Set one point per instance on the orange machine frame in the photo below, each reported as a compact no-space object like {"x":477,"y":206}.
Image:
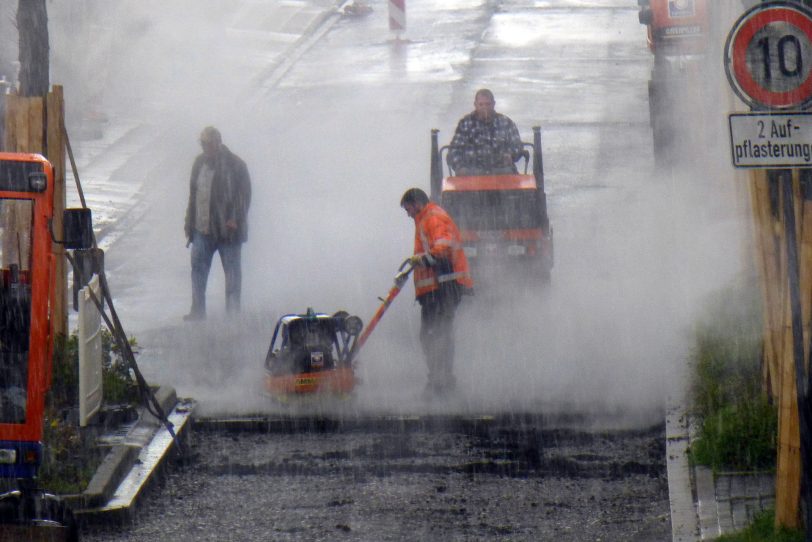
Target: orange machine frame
{"x":42,"y":278}
{"x":497,"y":182}
{"x":681,"y":33}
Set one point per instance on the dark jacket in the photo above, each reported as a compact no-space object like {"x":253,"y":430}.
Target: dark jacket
{"x":481,"y":146}
{"x":230,"y":197}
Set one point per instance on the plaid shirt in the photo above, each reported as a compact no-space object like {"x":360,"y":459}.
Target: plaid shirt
{"x":481,"y":146}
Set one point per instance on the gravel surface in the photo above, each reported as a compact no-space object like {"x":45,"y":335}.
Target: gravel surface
{"x":491,"y":483}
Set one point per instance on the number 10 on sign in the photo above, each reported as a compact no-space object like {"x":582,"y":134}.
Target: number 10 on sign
{"x":768,"y":56}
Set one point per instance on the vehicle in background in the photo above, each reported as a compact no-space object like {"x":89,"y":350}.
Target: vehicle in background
{"x":502,"y":217}
{"x":675,"y":27}
{"x":677,"y":34}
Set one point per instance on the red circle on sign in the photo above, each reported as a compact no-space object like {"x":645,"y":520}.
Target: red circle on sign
{"x":742,"y":40}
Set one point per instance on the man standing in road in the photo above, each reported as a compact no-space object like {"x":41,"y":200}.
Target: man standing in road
{"x":440,"y":278}
{"x":485,"y":142}
{"x":219,"y":196}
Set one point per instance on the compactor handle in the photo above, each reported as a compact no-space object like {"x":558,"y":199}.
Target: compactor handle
{"x":404,"y":271}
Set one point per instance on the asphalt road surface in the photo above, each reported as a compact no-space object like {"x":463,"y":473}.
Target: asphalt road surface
{"x":437,"y":478}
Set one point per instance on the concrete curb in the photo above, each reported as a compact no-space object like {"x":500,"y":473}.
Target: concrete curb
{"x":684,"y":527}
{"x":312,"y":32}
{"x":144,"y":449}
{"x":705,"y":505}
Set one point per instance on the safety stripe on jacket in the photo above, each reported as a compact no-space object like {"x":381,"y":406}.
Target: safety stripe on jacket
{"x":426,"y":281}
{"x":442,"y":278}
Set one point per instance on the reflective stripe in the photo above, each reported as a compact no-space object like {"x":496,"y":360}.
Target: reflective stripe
{"x":447,"y":242}
{"x":452,"y":276}
{"x":423,"y":240}
{"x":443,"y":278}
{"x":425,"y":277}
{"x":425,"y":282}
{"x":440,"y":242}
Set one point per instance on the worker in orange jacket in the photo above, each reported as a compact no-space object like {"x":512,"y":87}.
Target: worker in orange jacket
{"x":441,"y":277}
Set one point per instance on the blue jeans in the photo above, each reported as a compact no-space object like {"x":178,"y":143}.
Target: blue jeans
{"x":203,"y":249}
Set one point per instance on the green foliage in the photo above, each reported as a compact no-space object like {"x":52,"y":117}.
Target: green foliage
{"x":64,"y":392}
{"x":738,"y":424}
{"x":69,"y":461}
{"x":739,"y":436}
{"x":763,"y":530}
{"x":118,"y":384}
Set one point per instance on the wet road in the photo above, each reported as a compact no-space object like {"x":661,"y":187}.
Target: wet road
{"x":331,"y":147}
{"x":434,"y":478}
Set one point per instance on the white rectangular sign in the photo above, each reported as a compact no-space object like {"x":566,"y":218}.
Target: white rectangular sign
{"x":771,"y":140}
{"x":90,"y":354}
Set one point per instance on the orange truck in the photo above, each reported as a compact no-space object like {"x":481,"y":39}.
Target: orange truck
{"x":502,"y":217}
{"x":677,"y":35}
{"x":675,"y":27}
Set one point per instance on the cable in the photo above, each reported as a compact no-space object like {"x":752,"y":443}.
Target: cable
{"x":116,"y":329}
{"x":74,"y":169}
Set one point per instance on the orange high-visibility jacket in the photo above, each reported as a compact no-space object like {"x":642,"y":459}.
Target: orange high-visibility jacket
{"x":436,"y":236}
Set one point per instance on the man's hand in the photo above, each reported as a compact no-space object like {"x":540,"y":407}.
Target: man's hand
{"x":231,"y":225}
{"x":417,"y":259}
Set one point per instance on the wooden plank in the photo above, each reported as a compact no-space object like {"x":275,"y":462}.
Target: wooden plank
{"x":805,"y":262}
{"x":23,"y":117}
{"x":25,"y":123}
{"x":756,"y":182}
{"x":788,"y":463}
{"x":767,"y":259}
{"x":35,"y":124}
{"x":788,"y":468}
{"x":56,"y":155}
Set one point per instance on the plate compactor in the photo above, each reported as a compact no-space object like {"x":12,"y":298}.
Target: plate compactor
{"x":315,"y":353}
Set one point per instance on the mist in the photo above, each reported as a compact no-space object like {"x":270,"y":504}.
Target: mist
{"x":330,"y":150}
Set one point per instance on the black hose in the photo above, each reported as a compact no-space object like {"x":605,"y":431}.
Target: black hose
{"x":74,"y":169}
{"x":116,"y":329}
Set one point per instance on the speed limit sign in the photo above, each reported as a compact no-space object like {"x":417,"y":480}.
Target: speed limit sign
{"x":768,"y":56}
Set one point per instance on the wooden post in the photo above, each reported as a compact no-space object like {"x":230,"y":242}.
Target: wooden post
{"x":786,"y":328}
{"x":25,"y":121}
{"x":768,"y":260}
{"x":788,"y":468}
{"x":35,"y":124}
{"x":55,"y":145}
